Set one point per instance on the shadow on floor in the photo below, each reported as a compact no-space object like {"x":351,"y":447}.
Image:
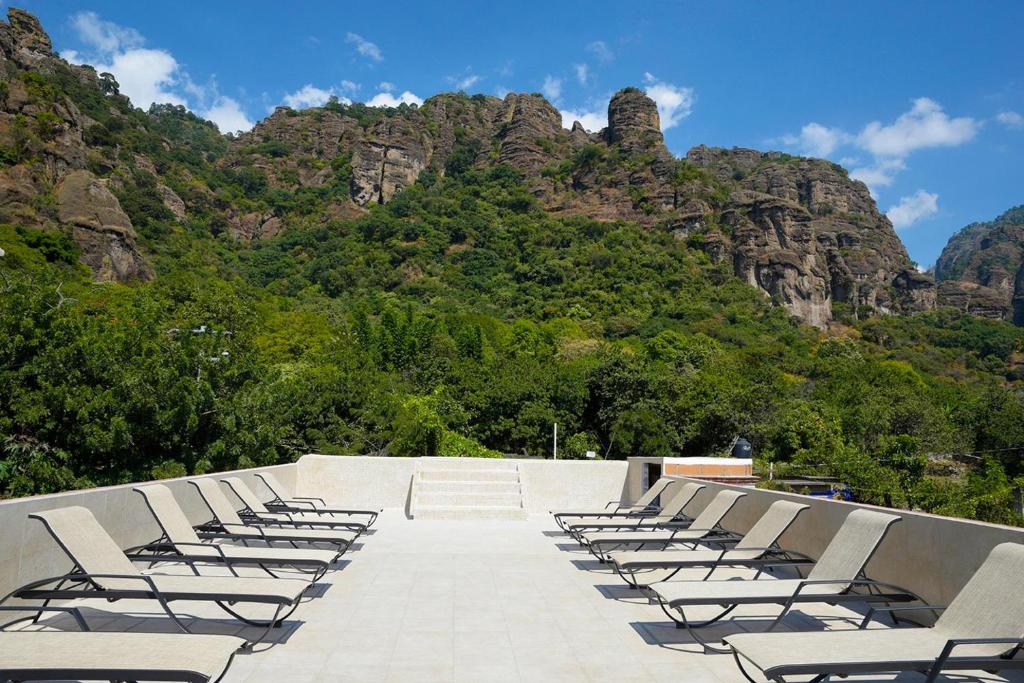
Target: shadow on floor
{"x":592,"y":566}
{"x":157,"y":622}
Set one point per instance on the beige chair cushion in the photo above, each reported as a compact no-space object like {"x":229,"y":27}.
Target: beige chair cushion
{"x":206,"y":655}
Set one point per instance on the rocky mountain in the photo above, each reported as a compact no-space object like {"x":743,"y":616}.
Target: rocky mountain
{"x":798,"y":229}
{"x":981,"y":268}
{"x":48,"y":178}
{"x":78,"y":158}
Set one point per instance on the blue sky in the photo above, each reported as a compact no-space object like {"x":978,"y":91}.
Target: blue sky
{"x":922,"y":100}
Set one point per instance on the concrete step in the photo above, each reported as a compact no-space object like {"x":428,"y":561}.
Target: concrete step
{"x":431,"y":486}
{"x":463,"y":499}
{"x":476,"y":512}
{"x":466,"y":464}
{"x":477,"y":475}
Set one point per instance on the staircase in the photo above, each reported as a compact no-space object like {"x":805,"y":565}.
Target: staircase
{"x":467,"y":488}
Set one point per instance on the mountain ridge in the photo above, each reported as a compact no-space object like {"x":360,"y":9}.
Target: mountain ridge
{"x":797,"y":229}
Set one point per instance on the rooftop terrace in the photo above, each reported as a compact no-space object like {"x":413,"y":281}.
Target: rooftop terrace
{"x":489,"y":599}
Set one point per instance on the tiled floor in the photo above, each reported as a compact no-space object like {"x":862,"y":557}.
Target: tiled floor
{"x":480,"y":601}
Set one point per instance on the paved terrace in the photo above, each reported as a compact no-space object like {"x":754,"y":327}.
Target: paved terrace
{"x":436,"y":600}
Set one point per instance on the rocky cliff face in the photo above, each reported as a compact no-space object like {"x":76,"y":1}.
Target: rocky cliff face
{"x":981,"y":268}
{"x":797,"y":229}
{"x":44,"y":182}
{"x":802,"y":231}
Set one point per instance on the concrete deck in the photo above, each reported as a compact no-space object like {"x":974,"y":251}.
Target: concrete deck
{"x":425,"y":600}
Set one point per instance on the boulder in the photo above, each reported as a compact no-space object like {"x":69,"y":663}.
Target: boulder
{"x":172,"y":201}
{"x":27,"y":33}
{"x":100,"y":228}
{"x":254,"y":225}
{"x":633,"y":122}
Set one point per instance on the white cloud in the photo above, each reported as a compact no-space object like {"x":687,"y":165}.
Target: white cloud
{"x":591,"y":120}
{"x":880,"y":174}
{"x":309,"y":96}
{"x":228,"y":115}
{"x":350,"y":87}
{"x":601,"y":51}
{"x":105,"y":36}
{"x":465,"y":81}
{"x":386,"y":99}
{"x":816,"y":140}
{"x":150,"y":76}
{"x":675,"y":103}
{"x":145,"y":75}
{"x":925,"y":125}
{"x":913,"y":208}
{"x":364,"y":47}
{"x":582,"y":73}
{"x":1010,"y":119}
{"x":383,"y":86}
{"x":552,"y":87}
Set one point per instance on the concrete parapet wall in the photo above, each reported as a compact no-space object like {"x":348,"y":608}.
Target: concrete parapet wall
{"x":28,"y":552}
{"x":931,"y":555}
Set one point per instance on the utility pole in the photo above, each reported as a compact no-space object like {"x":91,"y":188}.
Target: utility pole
{"x":555,"y":450}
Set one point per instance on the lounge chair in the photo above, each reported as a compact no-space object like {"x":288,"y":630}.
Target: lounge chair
{"x":226,"y":520}
{"x":758,"y":548}
{"x":706,"y":525}
{"x":102,"y":570}
{"x":60,"y":656}
{"x":307,"y":503}
{"x":836,"y":573}
{"x":671,"y":511}
{"x":181,"y":542}
{"x":256,"y":511}
{"x":643,"y":506}
{"x":88,"y":655}
{"x":980,"y":629}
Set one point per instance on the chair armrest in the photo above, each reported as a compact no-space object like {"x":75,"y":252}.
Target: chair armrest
{"x":295,"y":504}
{"x":952,"y":643}
{"x":259,"y":517}
{"x":75,"y":577}
{"x":247,"y":527}
{"x":826,"y":582}
{"x":73,"y":611}
{"x":311,"y":498}
{"x":676,"y":530}
{"x":872,"y":611}
{"x":771,"y":554}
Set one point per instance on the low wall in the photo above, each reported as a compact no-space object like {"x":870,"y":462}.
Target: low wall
{"x":28,"y":552}
{"x":931,"y":555}
{"x":387,"y":481}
